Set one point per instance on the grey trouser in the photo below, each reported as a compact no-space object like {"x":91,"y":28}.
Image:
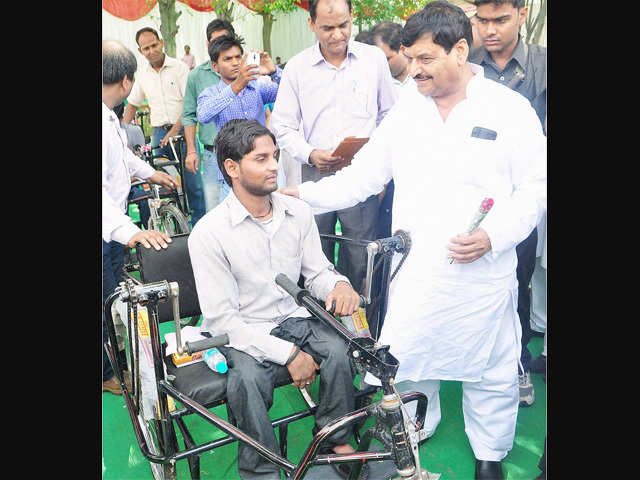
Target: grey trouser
{"x":250,"y":386}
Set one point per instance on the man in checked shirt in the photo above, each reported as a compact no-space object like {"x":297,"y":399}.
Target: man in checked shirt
{"x":240,"y":94}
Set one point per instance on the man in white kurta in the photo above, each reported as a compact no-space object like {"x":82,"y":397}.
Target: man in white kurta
{"x":454,"y":141}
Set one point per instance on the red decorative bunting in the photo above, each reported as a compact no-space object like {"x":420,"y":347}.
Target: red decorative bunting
{"x":200,"y":5}
{"x":249,"y":4}
{"x":128,"y":9}
{"x":136,"y":9}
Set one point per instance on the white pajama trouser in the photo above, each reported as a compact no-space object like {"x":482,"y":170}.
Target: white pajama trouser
{"x":539,"y":301}
{"x":489,"y":406}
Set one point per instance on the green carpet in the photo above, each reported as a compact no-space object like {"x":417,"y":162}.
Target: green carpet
{"x":446,"y":452}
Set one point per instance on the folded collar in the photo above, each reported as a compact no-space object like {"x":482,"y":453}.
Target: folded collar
{"x":238,"y":212}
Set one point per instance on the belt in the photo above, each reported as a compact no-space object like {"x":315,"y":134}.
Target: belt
{"x":208,"y":147}
{"x":166,"y":126}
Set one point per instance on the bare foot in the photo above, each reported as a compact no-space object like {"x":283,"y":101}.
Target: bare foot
{"x":346,"y":448}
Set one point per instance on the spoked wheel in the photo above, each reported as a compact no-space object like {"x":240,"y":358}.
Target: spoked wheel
{"x":190,"y":322}
{"x":172,"y":220}
{"x":151,"y":432}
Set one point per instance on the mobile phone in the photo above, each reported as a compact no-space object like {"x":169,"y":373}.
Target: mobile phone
{"x":253,"y":58}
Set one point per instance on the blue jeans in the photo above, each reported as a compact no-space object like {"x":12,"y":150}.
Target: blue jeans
{"x":215,"y":188}
{"x":192,"y":182}
{"x":143,"y":206}
{"x":112,"y":263}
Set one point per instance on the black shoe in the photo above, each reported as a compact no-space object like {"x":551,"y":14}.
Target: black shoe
{"x":488,"y":470}
{"x":342,"y":469}
{"x":538,"y":364}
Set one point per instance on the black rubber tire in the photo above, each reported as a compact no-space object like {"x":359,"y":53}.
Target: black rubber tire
{"x":191,"y":321}
{"x":160,"y":471}
{"x":172,"y":220}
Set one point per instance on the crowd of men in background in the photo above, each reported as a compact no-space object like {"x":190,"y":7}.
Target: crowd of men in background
{"x":360,"y":80}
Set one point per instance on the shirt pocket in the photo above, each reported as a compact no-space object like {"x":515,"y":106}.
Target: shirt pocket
{"x":484,"y":161}
{"x":356,"y":101}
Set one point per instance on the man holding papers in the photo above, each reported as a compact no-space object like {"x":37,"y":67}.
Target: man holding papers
{"x":457,"y":139}
{"x":334,"y":89}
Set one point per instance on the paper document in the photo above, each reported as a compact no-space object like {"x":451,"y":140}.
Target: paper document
{"x":187,"y":334}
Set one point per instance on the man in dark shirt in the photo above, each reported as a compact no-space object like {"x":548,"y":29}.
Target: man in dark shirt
{"x":507,"y":59}
{"x":504,"y":55}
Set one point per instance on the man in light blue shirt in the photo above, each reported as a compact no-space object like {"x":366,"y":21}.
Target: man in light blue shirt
{"x":334,"y":89}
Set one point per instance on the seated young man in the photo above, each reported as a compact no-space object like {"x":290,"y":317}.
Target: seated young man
{"x":236,"y":250}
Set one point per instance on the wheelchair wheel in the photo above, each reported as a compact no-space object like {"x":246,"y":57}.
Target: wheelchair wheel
{"x":172,"y":220}
{"x":160,"y":471}
{"x":191,"y":322}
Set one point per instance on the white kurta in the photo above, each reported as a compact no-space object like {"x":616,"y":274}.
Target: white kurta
{"x":119,"y":164}
{"x":442,"y":318}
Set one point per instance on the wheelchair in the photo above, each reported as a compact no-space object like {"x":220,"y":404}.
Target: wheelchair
{"x":162,"y":394}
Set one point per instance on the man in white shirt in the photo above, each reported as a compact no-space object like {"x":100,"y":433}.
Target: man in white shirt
{"x":387,"y":36}
{"x":236,"y":250}
{"x":331,"y":90}
{"x":163,"y":82}
{"x":459,"y":138}
{"x":119,"y":165}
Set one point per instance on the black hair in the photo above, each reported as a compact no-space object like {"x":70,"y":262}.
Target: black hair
{"x":313,"y":5}
{"x":516,"y":3}
{"x":219,"y":24}
{"x":119,"y":110}
{"x":446,"y":22}
{"x":146,"y":29}
{"x":389,"y":33}
{"x":222,"y":43}
{"x":235,"y":139}
{"x":365,"y":37}
{"x":117,"y":62}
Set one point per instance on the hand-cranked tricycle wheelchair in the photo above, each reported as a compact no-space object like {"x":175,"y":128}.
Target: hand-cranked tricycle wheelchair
{"x":167,"y":292}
